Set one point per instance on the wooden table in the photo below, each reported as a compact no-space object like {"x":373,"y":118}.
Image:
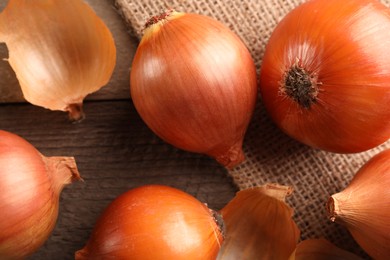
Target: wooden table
{"x":114,"y":150}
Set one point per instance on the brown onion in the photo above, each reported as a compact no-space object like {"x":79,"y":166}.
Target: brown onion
{"x":154,"y":222}
{"x":364,"y":206}
{"x":30,"y":185}
{"x":193,"y":81}
{"x":325,"y":74}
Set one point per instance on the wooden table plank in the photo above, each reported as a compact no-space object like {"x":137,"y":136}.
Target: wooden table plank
{"x":115,"y":151}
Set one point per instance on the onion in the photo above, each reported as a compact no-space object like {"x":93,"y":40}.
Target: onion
{"x":60,"y":50}
{"x":364,"y":206}
{"x":325,"y":74}
{"x":259,"y":224}
{"x":193,"y":82}
{"x":154,"y":222}
{"x":30,"y":185}
{"x":321,"y":249}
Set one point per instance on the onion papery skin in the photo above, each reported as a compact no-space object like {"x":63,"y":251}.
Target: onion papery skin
{"x":60,"y":50}
{"x":259,"y":225}
{"x":154,"y":222}
{"x":364,"y":206}
{"x":193,"y":82}
{"x":340,"y":49}
{"x":321,"y":249}
{"x":30,"y":186}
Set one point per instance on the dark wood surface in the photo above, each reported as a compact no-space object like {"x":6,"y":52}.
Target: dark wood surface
{"x":115,"y":151}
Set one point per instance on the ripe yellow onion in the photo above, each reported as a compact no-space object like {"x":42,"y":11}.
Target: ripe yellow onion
{"x":364,"y":206}
{"x":60,"y":50}
{"x":30,"y":186}
{"x":325,"y":74}
{"x":154,"y":222}
{"x":193,"y":81}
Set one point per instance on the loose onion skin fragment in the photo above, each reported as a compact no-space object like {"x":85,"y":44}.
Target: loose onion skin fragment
{"x":259,"y":225}
{"x":60,"y":50}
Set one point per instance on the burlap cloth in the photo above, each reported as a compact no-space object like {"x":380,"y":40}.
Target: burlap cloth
{"x":271,"y":155}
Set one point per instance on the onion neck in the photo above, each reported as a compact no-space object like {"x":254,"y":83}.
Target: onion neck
{"x":300,"y":85}
{"x":232,"y":157}
{"x":159,"y":18}
{"x":82,"y":254}
{"x":75,"y":112}
{"x":62,"y":171}
{"x":334,"y":211}
{"x":277,"y":191}
{"x":330,"y":207}
{"x":154,"y":23}
{"x":220,"y":224}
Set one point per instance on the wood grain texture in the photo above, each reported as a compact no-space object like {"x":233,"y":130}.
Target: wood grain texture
{"x":119,"y":85}
{"x":114,"y":151}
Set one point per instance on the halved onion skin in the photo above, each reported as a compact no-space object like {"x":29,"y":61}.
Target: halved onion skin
{"x":259,"y":224}
{"x":193,"y":81}
{"x":321,"y":249}
{"x":60,"y":50}
{"x":325,"y":75}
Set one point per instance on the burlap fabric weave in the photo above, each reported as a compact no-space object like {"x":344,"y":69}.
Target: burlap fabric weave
{"x":271,"y":155}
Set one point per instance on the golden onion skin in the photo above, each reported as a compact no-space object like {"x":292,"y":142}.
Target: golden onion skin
{"x":193,"y":81}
